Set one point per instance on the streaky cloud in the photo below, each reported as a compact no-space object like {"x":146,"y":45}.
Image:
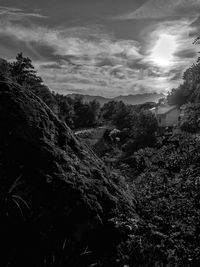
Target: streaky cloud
{"x":17,"y":14}
{"x":159,"y":9}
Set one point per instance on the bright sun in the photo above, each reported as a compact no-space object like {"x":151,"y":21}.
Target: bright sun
{"x":163,"y":51}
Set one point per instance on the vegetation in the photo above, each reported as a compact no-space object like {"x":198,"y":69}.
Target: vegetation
{"x":190,"y":121}
{"x":189,"y":90}
{"x":58,"y":200}
{"x":167,"y":193}
{"x":136,"y":124}
{"x":142,"y":203}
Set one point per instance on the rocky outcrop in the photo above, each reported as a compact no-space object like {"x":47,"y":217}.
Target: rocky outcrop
{"x":58,"y":201}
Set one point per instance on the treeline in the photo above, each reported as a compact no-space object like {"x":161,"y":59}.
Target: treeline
{"x":75,"y":112}
{"x":136,"y":124}
{"x":187,"y":97}
{"x":189,"y":90}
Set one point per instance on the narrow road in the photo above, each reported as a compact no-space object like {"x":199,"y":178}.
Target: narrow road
{"x":89,"y":130}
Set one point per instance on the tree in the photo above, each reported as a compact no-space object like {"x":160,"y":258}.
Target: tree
{"x":142,"y":133}
{"x":177,"y":96}
{"x":66,"y":109}
{"x":4,"y":68}
{"x":124,"y":116}
{"x":23,"y":71}
{"x":93,"y":112}
{"x":108,"y":110}
{"x":80,"y":109}
{"x":190,"y":121}
{"x":189,"y":90}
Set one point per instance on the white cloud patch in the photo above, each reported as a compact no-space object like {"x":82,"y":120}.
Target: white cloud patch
{"x":70,"y":42}
{"x":184,"y":51}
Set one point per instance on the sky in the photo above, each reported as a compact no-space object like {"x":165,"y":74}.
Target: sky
{"x":103,"y":47}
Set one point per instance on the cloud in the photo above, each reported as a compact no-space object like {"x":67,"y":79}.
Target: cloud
{"x":92,"y":60}
{"x":51,"y":65}
{"x":159,"y":9}
{"x":10,"y":9}
{"x":106,"y":80}
{"x":17,"y":14}
{"x":87,"y":57}
{"x":69,"y":42}
{"x":183,"y":32}
{"x":105,"y":66}
{"x":186,"y":53}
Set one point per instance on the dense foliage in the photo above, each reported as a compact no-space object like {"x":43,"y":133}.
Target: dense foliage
{"x":167,"y":192}
{"x":137,"y":125}
{"x":187,"y":96}
{"x":190,"y":121}
{"x":58,"y":201}
{"x":76,"y":113}
{"x":189,"y":90}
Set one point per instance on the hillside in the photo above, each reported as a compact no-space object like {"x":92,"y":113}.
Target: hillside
{"x":58,"y":198}
{"x":127,"y":99}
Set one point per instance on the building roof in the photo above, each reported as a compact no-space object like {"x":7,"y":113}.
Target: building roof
{"x":163,"y":109}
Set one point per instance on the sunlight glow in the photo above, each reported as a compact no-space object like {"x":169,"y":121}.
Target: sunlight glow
{"x":163,"y":51}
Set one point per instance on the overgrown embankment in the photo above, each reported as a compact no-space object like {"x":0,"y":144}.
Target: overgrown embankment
{"x":59,"y":204}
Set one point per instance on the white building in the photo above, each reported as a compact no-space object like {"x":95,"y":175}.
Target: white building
{"x":167,"y":116}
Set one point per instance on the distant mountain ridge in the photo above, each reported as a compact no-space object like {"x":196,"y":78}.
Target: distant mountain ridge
{"x":127,"y":99}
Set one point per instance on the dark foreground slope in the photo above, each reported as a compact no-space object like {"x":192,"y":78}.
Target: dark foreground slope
{"x":58,"y":206}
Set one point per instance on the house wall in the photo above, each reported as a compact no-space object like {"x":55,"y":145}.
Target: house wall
{"x":172,"y":117}
{"x":167,"y":119}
